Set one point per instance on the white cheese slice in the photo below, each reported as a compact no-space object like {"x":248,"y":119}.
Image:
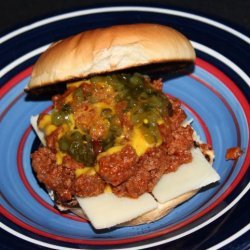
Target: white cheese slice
{"x":188,"y":177}
{"x":107,"y":210}
{"x":187,"y":122}
{"x":33,"y":121}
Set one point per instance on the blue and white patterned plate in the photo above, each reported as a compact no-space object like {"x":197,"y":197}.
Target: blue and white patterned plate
{"x":215,"y":95}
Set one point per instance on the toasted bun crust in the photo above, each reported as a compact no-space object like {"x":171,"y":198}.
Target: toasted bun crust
{"x":110,"y":49}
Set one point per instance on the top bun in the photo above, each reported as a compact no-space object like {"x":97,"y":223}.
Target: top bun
{"x":109,"y":49}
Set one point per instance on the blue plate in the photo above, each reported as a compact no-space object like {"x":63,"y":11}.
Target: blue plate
{"x":215,"y":95}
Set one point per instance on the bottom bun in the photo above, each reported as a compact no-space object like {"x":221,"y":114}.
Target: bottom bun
{"x":160,"y":211}
{"x":154,"y":215}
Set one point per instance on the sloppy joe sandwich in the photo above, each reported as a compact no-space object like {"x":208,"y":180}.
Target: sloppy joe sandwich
{"x":115,"y":149}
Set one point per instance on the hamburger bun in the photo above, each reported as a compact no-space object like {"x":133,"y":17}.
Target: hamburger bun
{"x":110,"y":49}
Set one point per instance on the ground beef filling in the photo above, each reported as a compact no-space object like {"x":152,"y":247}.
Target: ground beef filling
{"x":125,"y":172}
{"x":58,"y":178}
{"x":119,"y":167}
{"x":61,"y":178}
{"x":233,"y":153}
{"x":156,"y":162}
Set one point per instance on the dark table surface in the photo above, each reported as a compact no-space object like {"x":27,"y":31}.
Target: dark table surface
{"x":16,"y":13}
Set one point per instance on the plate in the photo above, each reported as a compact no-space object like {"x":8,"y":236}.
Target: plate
{"x":215,"y":95}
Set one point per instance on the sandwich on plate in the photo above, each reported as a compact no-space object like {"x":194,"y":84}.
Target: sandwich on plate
{"x":115,"y":149}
